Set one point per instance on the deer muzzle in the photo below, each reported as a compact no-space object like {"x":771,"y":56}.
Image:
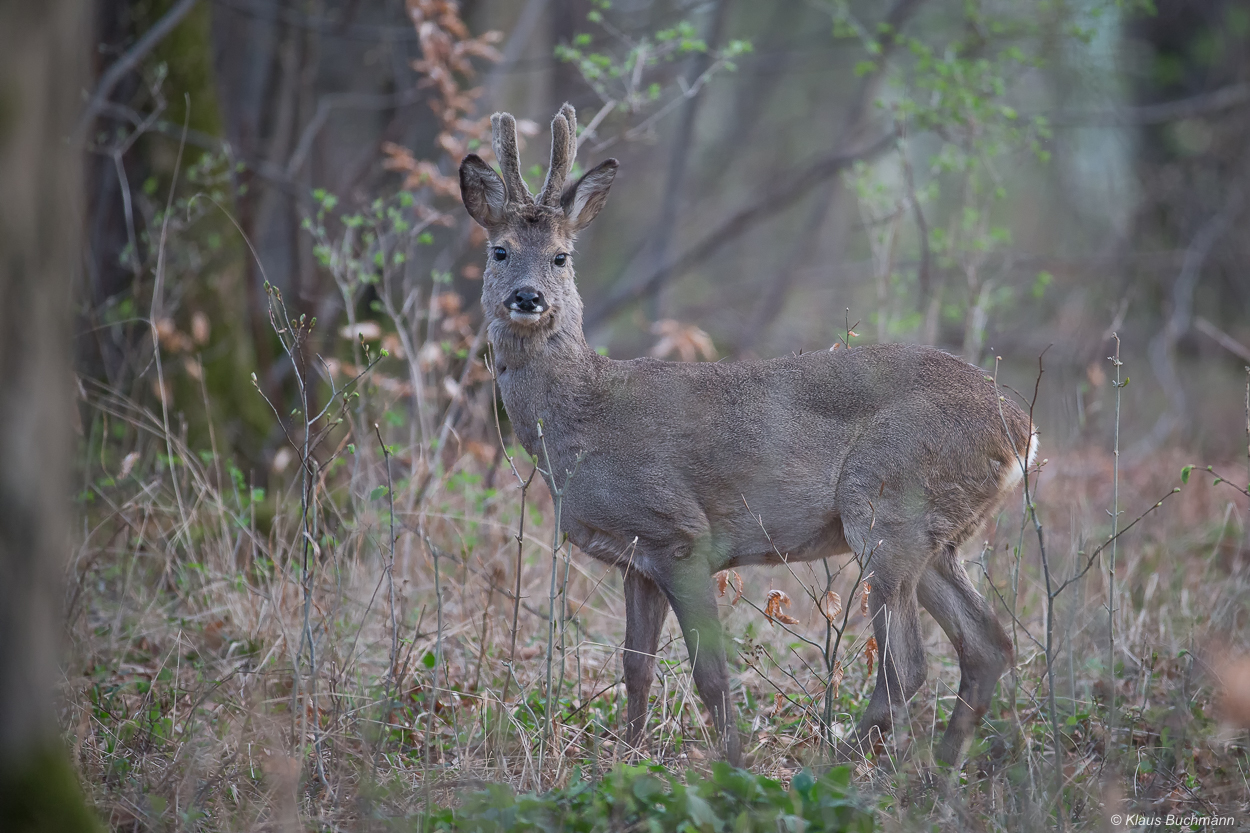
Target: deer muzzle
{"x":527,"y":305}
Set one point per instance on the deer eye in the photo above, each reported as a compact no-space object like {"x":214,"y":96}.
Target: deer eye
{"x":560,"y":259}
{"x":499,"y":253}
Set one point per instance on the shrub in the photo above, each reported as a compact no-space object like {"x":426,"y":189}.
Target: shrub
{"x":650,"y":798}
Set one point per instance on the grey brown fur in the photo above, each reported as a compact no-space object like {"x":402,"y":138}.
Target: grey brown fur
{"x":898,"y":450}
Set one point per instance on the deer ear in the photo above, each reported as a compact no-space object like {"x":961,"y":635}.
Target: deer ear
{"x":482,"y":191}
{"x":583,"y":200}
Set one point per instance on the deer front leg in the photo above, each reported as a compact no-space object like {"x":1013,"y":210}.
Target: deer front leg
{"x":695,"y":605}
{"x":895,"y":562}
{"x":901,"y":666}
{"x":645,"y":609}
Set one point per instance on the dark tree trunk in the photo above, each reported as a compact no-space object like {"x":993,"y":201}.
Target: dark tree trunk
{"x":245,"y":49}
{"x":103,"y":353}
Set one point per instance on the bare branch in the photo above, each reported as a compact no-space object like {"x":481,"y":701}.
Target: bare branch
{"x":1222,"y":338}
{"x":792,"y":188}
{"x":1225,"y":98}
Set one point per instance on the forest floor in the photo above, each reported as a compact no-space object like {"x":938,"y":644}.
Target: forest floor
{"x":232,"y":672}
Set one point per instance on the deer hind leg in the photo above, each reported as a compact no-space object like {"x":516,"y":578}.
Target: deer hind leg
{"x":645,"y":610}
{"x":692,"y":598}
{"x":983,"y":646}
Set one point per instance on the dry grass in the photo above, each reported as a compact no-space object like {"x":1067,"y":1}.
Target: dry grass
{"x":192,"y":702}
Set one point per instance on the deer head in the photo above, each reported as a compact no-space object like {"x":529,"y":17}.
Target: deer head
{"x":528,"y":293}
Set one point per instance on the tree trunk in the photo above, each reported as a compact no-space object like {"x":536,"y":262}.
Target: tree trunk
{"x":42,"y":51}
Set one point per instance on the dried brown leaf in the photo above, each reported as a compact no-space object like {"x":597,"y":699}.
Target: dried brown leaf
{"x":863,"y":598}
{"x":831,"y":606}
{"x":870,"y":653}
{"x":686,"y":340}
{"x":835,"y":679}
{"x":772,"y":608}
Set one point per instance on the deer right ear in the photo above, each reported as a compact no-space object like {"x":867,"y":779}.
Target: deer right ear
{"x":482,"y":191}
{"x":582,"y":201}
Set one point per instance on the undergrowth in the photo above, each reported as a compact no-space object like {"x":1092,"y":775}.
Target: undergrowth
{"x":193,"y":703}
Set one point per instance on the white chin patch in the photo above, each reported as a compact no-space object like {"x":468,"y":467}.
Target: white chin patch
{"x":525,"y":317}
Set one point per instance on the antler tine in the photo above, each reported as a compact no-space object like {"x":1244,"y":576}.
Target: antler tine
{"x":503,"y":133}
{"x":571,"y":115}
{"x":563,"y":151}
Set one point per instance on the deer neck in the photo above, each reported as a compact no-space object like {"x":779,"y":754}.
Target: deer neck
{"x":542,"y":375}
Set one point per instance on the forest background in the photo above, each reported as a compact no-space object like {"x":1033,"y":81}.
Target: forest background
{"x":313,"y":581}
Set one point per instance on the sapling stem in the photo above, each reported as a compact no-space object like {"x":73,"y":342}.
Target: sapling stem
{"x":390,"y":566}
{"x":1115,"y":531}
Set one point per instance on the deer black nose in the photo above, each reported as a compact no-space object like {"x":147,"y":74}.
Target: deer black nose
{"x":527,"y":299}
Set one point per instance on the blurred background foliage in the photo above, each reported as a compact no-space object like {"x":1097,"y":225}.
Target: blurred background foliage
{"x":991,"y":177}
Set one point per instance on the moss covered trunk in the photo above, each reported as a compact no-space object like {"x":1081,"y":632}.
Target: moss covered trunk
{"x":42,"y":52}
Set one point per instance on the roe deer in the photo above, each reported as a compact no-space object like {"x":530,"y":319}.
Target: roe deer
{"x":668,"y":467}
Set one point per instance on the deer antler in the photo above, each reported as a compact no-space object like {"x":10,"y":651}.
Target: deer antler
{"x":563,"y":152}
{"x":503,"y":131}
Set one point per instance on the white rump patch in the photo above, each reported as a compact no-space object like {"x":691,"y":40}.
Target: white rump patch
{"x":1015,"y":473}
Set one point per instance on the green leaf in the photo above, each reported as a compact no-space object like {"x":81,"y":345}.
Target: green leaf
{"x":1185,"y":473}
{"x":1043,"y":280}
{"x":428,"y":660}
{"x":378,"y":492}
{"x":647,"y":788}
{"x":701,"y":812}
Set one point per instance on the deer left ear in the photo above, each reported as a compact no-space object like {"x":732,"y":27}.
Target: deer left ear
{"x":583,"y":200}
{"x":482,"y":191}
